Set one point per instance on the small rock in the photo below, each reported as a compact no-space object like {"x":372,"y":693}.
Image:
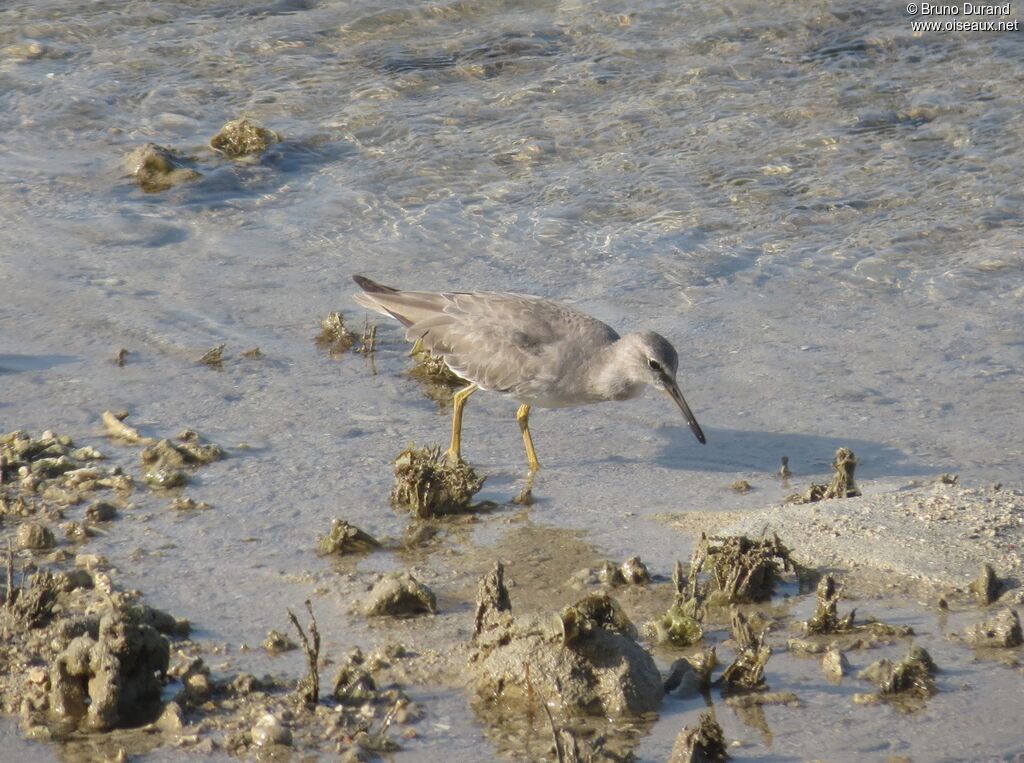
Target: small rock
{"x":100,"y":511}
{"x":240,"y":137}
{"x":171,"y":719}
{"x":157,"y":168}
{"x":834,"y":664}
{"x":34,"y":536}
{"x":270,"y":731}
{"x":1003,"y":630}
{"x":399,"y":594}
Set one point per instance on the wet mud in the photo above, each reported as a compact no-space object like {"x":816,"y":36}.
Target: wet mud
{"x":542,"y":645}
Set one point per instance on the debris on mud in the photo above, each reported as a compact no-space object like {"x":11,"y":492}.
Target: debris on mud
{"x":427,"y":484}
{"x":118,"y":430}
{"x":157,"y":168}
{"x":1002,"y":630}
{"x":681,"y":623}
{"x":345,"y":538}
{"x":121,"y":357}
{"x":841,"y":486}
{"x":906,"y":683}
{"x":214,"y":357}
{"x":987,"y":587}
{"x":742,"y":570}
{"x":584,"y":660}
{"x":254,"y":354}
{"x":399,"y":594}
{"x":704,"y":744}
{"x":242,"y":137}
{"x":746,"y":673}
{"x":689,"y":676}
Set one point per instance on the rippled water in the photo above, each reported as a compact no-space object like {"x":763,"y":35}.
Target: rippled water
{"x":820,"y":208}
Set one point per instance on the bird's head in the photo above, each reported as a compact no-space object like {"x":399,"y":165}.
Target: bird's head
{"x":655,"y":361}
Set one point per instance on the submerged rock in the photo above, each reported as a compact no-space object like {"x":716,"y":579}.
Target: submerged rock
{"x":157,"y":168}
{"x":427,"y":484}
{"x":704,"y":744}
{"x":109,"y":681}
{"x":399,"y":594}
{"x":241,"y":137}
{"x":1002,"y":630}
{"x":584,"y":660}
{"x":345,"y":539}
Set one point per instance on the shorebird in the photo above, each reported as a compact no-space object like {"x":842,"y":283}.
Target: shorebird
{"x":537,"y":351}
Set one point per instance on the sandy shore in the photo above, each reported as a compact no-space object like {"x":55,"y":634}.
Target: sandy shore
{"x":938,"y":534}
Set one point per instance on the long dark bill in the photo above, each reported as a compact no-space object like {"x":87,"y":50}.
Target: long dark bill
{"x":673,"y":391}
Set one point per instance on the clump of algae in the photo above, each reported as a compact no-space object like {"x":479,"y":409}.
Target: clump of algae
{"x":242,"y":137}
{"x":429,"y":485}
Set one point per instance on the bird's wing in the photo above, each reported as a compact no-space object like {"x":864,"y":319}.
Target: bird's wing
{"x":511,"y":343}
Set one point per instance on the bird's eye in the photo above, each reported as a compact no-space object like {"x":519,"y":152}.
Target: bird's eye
{"x":655,"y":365}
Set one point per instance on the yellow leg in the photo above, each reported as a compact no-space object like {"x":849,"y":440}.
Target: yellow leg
{"x":523,"y":417}
{"x":458,"y":402}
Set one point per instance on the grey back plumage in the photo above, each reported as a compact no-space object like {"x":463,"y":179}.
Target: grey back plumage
{"x":528,"y":347}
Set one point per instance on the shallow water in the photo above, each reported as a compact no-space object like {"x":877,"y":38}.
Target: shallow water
{"x":821,"y":209}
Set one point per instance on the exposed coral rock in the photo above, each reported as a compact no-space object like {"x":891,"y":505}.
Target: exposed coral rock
{"x":108,"y":681}
{"x":584,"y":660}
